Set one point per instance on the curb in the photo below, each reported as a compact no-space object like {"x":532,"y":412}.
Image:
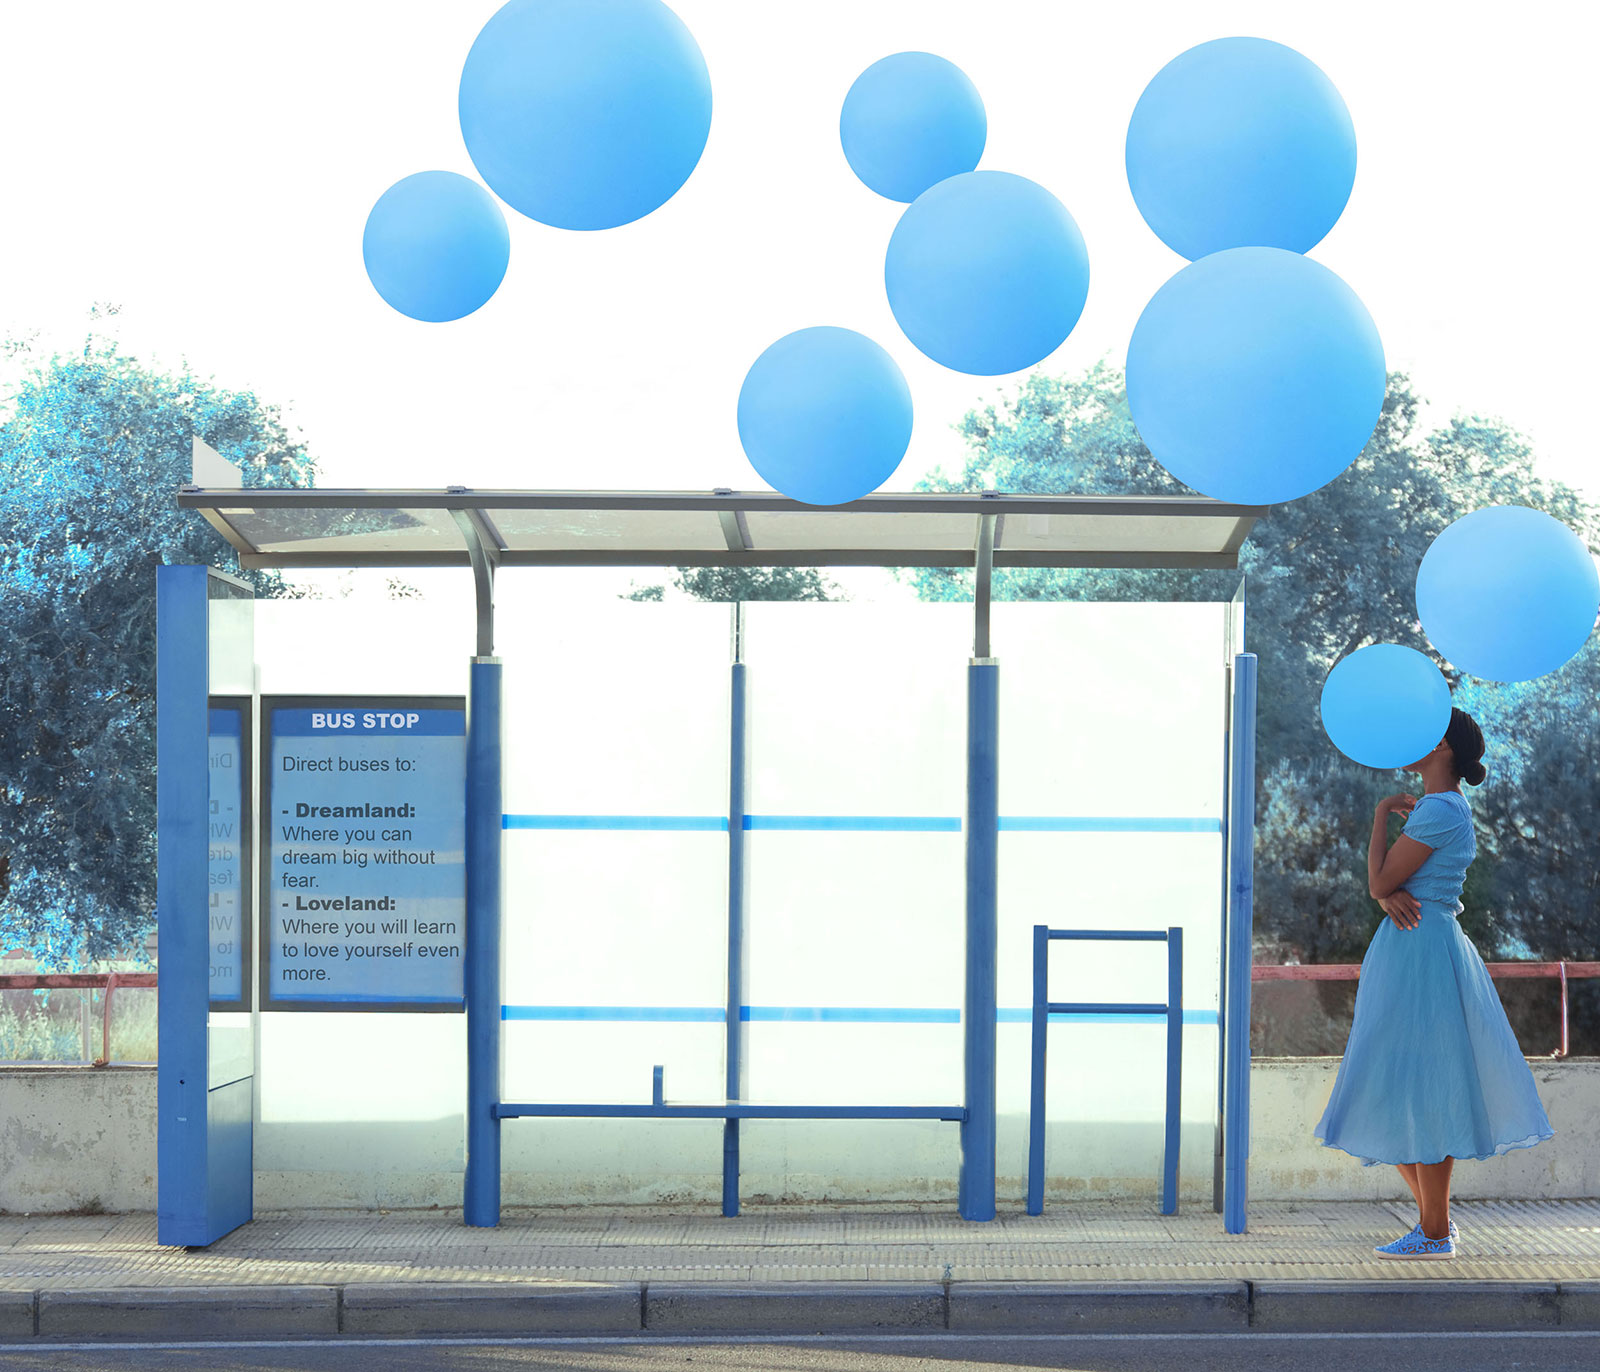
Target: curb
{"x":557,"y":1309}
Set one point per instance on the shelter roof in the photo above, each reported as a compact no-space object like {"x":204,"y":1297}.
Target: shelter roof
{"x":291,"y":527}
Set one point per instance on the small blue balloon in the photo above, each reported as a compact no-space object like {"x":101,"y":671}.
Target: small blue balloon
{"x":987,"y":273}
{"x":585,"y":114}
{"x":825,"y":416}
{"x":1255,"y":376}
{"x":910,"y":121}
{"x":1240,"y":143}
{"x":1385,"y":706}
{"x":436,"y":246}
{"x":1508,"y":593}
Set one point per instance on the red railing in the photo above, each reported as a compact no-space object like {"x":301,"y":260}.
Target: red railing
{"x":83,"y":981}
{"x":1261,"y":971}
{"x":1349,"y":971}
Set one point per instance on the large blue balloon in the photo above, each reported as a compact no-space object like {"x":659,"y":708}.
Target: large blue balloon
{"x":1255,"y":376}
{"x":1240,"y":143}
{"x":1508,"y":593}
{"x":585,"y":114}
{"x":436,"y":246}
{"x":1385,"y":706}
{"x":987,"y":273}
{"x":910,"y":121}
{"x":825,"y":416}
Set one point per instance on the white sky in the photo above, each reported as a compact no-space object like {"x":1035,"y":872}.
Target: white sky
{"x":209,"y":167}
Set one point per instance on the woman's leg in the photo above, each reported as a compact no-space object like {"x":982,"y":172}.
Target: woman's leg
{"x":1408,"y":1170}
{"x":1433,"y":1181}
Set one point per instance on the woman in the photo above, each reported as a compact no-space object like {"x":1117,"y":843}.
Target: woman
{"x":1432,"y":1071}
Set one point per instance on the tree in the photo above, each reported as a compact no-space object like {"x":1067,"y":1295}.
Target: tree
{"x":745,"y":583}
{"x":93,"y":447}
{"x":1326,"y":575}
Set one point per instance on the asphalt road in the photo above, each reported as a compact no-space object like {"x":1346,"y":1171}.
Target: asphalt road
{"x":1533,"y":1352}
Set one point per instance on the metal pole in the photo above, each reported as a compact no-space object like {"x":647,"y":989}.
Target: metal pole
{"x":733,"y":1055}
{"x":1041,"y":1024}
{"x":1241,"y":890}
{"x":976,"y":1188}
{"x":1169,"y":1180}
{"x":485,"y":809}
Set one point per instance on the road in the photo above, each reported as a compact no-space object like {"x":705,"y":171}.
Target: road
{"x":1534,"y":1352}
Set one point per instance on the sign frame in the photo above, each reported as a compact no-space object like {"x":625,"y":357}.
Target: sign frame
{"x":246,"y":837}
{"x":330,"y":701}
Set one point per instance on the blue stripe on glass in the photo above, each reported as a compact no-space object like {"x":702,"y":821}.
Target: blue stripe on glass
{"x":908,"y":824}
{"x":698,"y":822}
{"x":814,"y":1014}
{"x":844,"y":1014}
{"x":905,"y":824}
{"x":655,"y":1014}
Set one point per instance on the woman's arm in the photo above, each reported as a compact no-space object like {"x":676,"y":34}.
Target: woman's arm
{"x":1390,"y":868}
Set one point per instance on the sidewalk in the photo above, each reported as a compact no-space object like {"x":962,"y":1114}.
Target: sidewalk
{"x":1085,"y":1266}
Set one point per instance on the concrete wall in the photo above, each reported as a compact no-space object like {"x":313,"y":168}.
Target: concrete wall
{"x":73,"y":1138}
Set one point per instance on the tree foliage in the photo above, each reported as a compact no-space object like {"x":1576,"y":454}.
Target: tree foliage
{"x":1326,"y":575}
{"x":93,"y":447}
{"x":745,"y":583}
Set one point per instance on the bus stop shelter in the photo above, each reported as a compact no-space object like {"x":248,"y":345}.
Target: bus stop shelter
{"x":204,"y":1154}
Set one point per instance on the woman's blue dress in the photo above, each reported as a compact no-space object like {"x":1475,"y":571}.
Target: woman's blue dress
{"x":1432,"y":1069}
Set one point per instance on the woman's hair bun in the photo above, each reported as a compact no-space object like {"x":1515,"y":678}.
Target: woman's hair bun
{"x":1475,"y":774}
{"x":1466,"y":743}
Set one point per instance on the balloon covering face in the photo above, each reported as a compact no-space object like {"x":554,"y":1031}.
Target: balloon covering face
{"x":825,"y":416}
{"x":585,"y":114}
{"x":987,"y":273}
{"x":1255,"y":376}
{"x":1385,"y":706}
{"x":909,"y":122}
{"x":436,"y":246}
{"x":1508,"y":593}
{"x":1240,"y":143}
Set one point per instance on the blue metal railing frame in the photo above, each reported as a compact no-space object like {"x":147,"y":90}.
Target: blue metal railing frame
{"x":1044,"y":1007}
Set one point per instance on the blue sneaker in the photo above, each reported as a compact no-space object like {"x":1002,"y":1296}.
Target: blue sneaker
{"x":1417,"y":1245}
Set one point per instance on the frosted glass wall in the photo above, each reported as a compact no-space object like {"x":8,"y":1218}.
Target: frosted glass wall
{"x":616,"y":853}
{"x":856,"y":907}
{"x":1111,"y":790}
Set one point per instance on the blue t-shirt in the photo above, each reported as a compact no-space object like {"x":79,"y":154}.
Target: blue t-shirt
{"x":1442,"y":820}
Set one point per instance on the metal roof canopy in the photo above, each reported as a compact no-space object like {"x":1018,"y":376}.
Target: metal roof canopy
{"x":289,"y":527}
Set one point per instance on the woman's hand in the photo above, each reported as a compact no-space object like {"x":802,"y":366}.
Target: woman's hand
{"x":1401,"y":805}
{"x":1403,"y":909}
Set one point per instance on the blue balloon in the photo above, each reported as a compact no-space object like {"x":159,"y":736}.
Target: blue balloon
{"x":825,"y":416}
{"x":910,"y":121}
{"x":1508,"y":593}
{"x":1385,"y":706}
{"x":436,"y":246}
{"x":585,"y":114}
{"x":1240,"y":143}
{"x":987,"y":273}
{"x":1255,"y":375}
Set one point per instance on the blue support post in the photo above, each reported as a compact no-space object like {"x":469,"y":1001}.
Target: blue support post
{"x":481,"y":1203}
{"x":1169,"y":1180}
{"x":182,"y":882}
{"x":978,"y":1014}
{"x":1241,"y":888}
{"x":1041,"y":1025}
{"x":733,"y":1055}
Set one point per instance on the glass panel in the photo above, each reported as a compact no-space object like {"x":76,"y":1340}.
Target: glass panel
{"x":616,"y":856}
{"x":608,"y":530}
{"x":855,"y":923}
{"x":1110,"y":801}
{"x":778,"y":529}
{"x":353,"y":532}
{"x":1114,"y":533}
{"x":360,"y":1095}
